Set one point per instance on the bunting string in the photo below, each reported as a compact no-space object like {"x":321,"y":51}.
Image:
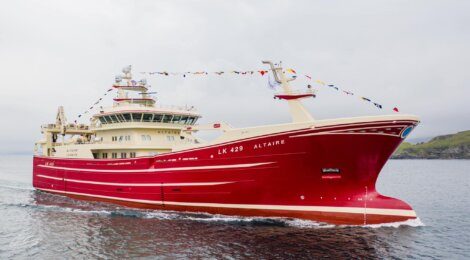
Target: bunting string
{"x":188,"y":73}
{"x":349,"y":93}
{"x":94,"y":104}
{"x":271,"y":83}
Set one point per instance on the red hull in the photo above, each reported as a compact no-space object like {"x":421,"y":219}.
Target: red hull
{"x":325,"y":174}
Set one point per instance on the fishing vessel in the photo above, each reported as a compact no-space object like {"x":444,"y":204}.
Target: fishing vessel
{"x":139,"y":154}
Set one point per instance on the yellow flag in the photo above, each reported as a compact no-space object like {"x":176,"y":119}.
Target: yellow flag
{"x":320,"y":82}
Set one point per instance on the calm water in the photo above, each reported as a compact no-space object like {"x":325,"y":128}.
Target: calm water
{"x":38,"y":225}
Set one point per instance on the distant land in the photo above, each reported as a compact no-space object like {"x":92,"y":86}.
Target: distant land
{"x":453,"y":146}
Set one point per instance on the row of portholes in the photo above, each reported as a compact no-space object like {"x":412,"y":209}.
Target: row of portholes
{"x":115,"y":155}
{"x":121,"y":138}
{"x":146,"y":138}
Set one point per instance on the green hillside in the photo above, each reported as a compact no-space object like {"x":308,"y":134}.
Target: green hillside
{"x":454,"y":146}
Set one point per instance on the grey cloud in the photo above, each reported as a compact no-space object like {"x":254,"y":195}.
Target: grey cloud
{"x":412,"y":54}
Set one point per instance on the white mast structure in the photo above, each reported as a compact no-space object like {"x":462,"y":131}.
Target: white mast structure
{"x":297,"y":110}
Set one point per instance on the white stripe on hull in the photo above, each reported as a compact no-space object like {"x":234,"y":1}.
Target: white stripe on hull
{"x":50,"y":177}
{"x":353,"y":210}
{"x":208,"y":167}
{"x":137,"y":184}
{"x":344,"y":131}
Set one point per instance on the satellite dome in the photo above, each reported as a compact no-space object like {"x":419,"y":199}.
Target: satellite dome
{"x":127,"y":69}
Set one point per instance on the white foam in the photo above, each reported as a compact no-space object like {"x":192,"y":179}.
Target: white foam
{"x":207,"y":217}
{"x":410,"y":222}
{"x":302,"y":223}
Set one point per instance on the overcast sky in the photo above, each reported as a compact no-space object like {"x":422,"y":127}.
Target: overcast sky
{"x":411,"y":54}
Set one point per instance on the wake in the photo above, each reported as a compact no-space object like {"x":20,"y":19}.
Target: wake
{"x":205,"y":217}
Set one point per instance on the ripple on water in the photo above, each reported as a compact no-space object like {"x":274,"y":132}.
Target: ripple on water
{"x":40,"y":225}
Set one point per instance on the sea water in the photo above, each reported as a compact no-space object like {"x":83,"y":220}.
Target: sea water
{"x":43,"y":226}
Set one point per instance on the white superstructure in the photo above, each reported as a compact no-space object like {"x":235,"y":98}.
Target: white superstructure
{"x":133,"y":127}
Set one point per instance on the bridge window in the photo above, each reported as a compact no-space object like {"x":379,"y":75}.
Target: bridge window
{"x":120,"y":117}
{"x":132,"y":155}
{"x":114,"y":155}
{"x":104,"y":156}
{"x":167,"y":118}
{"x":191,"y":121}
{"x":115,"y":118}
{"x":184,"y":119}
{"x":127,"y":117}
{"x":176,"y":119}
{"x":123,"y":155}
{"x":147,"y":117}
{"x":109,"y":119}
{"x":157,"y":118}
{"x":137,"y":117}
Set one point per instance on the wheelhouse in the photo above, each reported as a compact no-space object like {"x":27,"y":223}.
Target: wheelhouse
{"x":127,"y":117}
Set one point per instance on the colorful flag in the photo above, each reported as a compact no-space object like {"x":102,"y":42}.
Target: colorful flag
{"x":332,"y":86}
{"x":378,"y":105}
{"x":366,"y":99}
{"x":320,"y":82}
{"x":395,"y":109}
{"x":291,"y":71}
{"x":308,"y":77}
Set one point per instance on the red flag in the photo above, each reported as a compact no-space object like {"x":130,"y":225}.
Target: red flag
{"x":262,"y":72}
{"x":395,"y":109}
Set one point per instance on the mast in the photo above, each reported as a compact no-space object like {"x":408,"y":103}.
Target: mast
{"x":297,"y":110}
{"x":125,"y":83}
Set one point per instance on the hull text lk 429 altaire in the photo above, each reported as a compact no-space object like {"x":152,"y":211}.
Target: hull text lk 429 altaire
{"x":141,"y":155}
